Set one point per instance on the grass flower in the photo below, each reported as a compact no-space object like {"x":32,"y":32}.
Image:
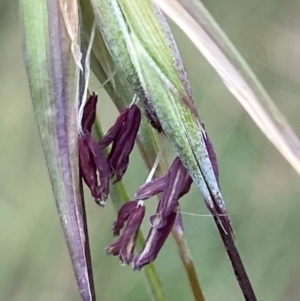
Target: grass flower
{"x":63,"y":41}
{"x":174,"y":185}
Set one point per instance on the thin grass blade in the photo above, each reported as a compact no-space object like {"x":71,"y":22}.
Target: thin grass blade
{"x":193,"y":18}
{"x":53,"y":74}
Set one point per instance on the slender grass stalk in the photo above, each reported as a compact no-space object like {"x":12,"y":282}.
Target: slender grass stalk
{"x":237,"y":264}
{"x":188,"y":263}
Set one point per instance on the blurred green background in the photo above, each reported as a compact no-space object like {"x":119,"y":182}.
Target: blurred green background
{"x":260,"y":188}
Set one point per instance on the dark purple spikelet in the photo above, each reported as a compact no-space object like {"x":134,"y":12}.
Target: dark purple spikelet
{"x":87,"y":165}
{"x":123,"y":216}
{"x":95,"y":168}
{"x":133,"y":213}
{"x":186,"y":186}
{"x":160,"y":184}
{"x":122,"y":147}
{"x":122,"y":135}
{"x":176,"y":176}
{"x":92,"y":162}
{"x":89,"y":113}
{"x":114,"y":248}
{"x":173,"y":185}
{"x":113,"y":132}
{"x":152,"y":188}
{"x":102,"y":190}
{"x":130,"y":234}
{"x":154,"y":242}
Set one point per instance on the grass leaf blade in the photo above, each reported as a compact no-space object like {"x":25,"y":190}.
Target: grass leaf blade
{"x":193,"y":18}
{"x":53,"y":79}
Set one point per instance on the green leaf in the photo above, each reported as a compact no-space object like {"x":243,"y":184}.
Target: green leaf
{"x":52,"y":66}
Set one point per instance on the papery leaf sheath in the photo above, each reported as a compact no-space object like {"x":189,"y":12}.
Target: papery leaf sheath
{"x":53,"y":79}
